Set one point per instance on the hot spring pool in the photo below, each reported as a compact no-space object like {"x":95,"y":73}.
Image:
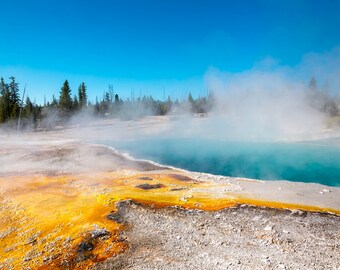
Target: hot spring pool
{"x":317,"y":162}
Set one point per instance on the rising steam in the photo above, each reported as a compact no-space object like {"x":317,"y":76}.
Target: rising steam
{"x":262,"y":105}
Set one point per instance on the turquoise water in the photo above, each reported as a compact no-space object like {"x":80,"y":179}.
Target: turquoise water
{"x":317,"y":162}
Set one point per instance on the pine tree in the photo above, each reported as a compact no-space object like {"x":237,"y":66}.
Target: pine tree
{"x":54,"y":102}
{"x":9,"y":100}
{"x":3,"y":86}
{"x":80,"y":97}
{"x":76,"y":105}
{"x":28,"y":111}
{"x":191,"y":102}
{"x":83,"y":95}
{"x":65,"y":100}
{"x":14,"y":98}
{"x":15,"y":111}
{"x":116,"y":99}
{"x":4,"y":100}
{"x":97,"y":107}
{"x":190,"y":98}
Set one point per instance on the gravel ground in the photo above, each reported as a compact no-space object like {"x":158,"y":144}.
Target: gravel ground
{"x":235,"y":238}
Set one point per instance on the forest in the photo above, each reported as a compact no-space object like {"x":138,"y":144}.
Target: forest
{"x":20,"y":112}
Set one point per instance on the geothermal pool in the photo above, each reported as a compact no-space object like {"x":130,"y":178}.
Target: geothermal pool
{"x":316,"y":161}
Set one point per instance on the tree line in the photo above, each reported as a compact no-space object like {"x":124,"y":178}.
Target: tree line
{"x":60,"y":110}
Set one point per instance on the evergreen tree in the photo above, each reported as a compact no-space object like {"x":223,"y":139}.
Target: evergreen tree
{"x":83,"y":102}
{"x":107,"y":98}
{"x":76,"y":104}
{"x":3,"y":86}
{"x":116,"y":99}
{"x":4,"y":101}
{"x":15,"y":111}
{"x":54,"y":102}
{"x":191,"y":102}
{"x":190,"y":98}
{"x":65,"y":100}
{"x":96,"y":107}
{"x":80,"y":96}
{"x":36,"y":115}
{"x":28,"y":111}
{"x":14,"y":98}
{"x":169,"y":104}
{"x":9,"y":99}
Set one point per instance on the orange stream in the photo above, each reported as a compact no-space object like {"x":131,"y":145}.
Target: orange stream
{"x":45,"y":219}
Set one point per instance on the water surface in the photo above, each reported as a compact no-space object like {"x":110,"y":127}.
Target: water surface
{"x":317,"y":161}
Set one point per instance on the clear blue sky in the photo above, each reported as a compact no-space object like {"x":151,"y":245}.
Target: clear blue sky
{"x":148,"y":45}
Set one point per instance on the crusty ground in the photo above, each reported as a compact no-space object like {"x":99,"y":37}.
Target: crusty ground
{"x":58,"y":158}
{"x":171,"y":238}
{"x":235,"y":238}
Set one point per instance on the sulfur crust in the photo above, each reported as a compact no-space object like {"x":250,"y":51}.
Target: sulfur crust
{"x":44,"y":219}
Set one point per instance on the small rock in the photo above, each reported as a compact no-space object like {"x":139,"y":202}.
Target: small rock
{"x":85,"y":246}
{"x":67,"y":240}
{"x":268,"y":228}
{"x":256,"y":218}
{"x":281,"y":266}
{"x":176,"y":189}
{"x":99,"y":233}
{"x":148,"y":186}
{"x":299,"y":213}
{"x":146,"y":178}
{"x":31,"y":240}
{"x":116,"y":217}
{"x":266,"y":261}
{"x":27,"y":258}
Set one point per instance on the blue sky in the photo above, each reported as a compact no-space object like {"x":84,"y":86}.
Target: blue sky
{"x":151,"y":46}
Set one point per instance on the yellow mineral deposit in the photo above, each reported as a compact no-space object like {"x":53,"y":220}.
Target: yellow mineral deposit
{"x":69,"y":222}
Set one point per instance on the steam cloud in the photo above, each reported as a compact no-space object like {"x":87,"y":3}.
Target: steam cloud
{"x":266,"y":103}
{"x":269,"y":102}
{"x":262,"y":105}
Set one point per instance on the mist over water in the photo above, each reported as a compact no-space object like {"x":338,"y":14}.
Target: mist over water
{"x":266,"y":124}
{"x":317,"y":162}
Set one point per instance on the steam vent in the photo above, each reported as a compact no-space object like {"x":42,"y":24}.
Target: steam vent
{"x":62,"y":211}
